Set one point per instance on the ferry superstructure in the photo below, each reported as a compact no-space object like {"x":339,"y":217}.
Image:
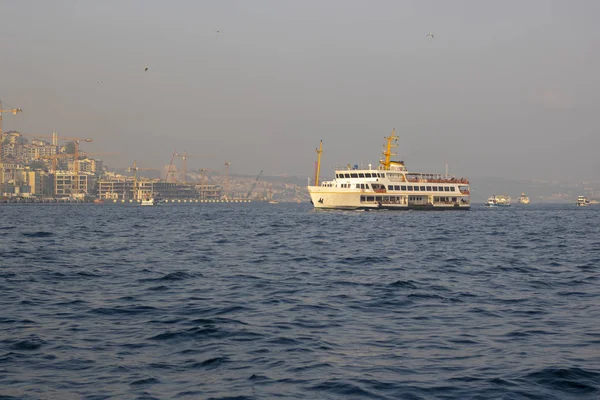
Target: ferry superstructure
{"x":389,"y":186}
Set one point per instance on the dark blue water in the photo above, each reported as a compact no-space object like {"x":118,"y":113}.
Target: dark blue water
{"x":261,"y":301}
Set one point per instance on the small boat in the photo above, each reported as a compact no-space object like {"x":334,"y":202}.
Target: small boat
{"x":582,"y":201}
{"x":273,"y":201}
{"x":524,"y":199}
{"x":499,"y":200}
{"x":148,"y":201}
{"x":98,"y":201}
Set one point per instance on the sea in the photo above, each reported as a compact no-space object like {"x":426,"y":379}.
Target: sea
{"x":279,"y":301}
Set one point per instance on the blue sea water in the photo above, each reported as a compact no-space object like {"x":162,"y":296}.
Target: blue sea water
{"x":264,"y":301}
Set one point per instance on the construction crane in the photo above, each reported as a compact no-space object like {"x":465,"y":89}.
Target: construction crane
{"x":13,"y":111}
{"x":87,"y":154}
{"x":184,"y":156}
{"x":54,"y":159}
{"x":254,"y":184}
{"x":134,"y":168}
{"x":169,"y":172}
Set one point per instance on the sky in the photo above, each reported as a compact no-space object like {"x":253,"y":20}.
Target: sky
{"x":504,"y":89}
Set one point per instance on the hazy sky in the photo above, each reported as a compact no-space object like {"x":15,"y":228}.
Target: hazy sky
{"x":506,"y":88}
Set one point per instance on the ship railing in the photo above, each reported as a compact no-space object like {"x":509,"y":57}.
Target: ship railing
{"x":443,"y":180}
{"x":355,"y":167}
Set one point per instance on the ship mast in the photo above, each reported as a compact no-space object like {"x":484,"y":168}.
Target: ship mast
{"x":388,"y":150}
{"x":318,"y":171}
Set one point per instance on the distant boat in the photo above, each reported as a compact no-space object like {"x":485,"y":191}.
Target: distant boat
{"x":582,"y":201}
{"x":148,"y":201}
{"x":524,"y":199}
{"x":499,"y":200}
{"x":273,"y":201}
{"x":98,"y":201}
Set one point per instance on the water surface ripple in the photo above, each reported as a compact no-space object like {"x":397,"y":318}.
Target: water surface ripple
{"x":262,"y":301}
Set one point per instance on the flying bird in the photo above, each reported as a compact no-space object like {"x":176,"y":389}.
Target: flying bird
{"x":218,"y":32}
{"x":430,"y":34}
{"x":146,"y":68}
{"x":99,"y":82}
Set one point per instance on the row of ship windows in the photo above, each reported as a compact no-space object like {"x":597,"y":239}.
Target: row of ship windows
{"x":422,"y":188}
{"x":399,"y":199}
{"x":361,"y":175}
{"x":401,"y":187}
{"x":384,"y":199}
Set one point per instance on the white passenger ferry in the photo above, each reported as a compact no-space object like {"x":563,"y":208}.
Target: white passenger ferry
{"x":582,"y":201}
{"x":524,"y":199}
{"x":389,"y":186}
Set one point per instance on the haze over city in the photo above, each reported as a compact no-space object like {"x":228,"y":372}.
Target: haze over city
{"x":502,"y":89}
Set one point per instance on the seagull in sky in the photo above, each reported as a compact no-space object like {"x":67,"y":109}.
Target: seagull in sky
{"x":146,"y":68}
{"x":430,"y":34}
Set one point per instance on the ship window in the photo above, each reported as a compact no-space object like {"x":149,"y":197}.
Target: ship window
{"x":454,"y":199}
{"x":383,"y":175}
{"x":422,"y":188}
{"x":362,"y":198}
{"x":390,"y":187}
{"x":447,"y":189}
{"x":452,"y":188}
{"x":368,"y":175}
{"x":403,"y":187}
{"x":361,"y":175}
{"x":397,"y":187}
{"x":346,"y":175}
{"x":377,"y":198}
{"x":409,"y":188}
{"x":429,"y":188}
{"x":416,"y":188}
{"x":370,"y":198}
{"x":358,"y":185}
{"x":354,"y":175}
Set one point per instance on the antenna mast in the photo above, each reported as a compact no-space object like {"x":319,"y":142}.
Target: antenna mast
{"x":388,"y":149}
{"x":318,"y":171}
